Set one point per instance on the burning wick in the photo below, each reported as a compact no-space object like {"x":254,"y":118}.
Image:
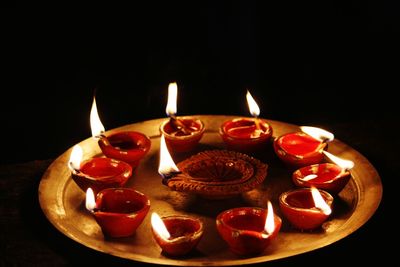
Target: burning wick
{"x":346,"y":165}
{"x":269,"y":221}
{"x":95,"y":122}
{"x":318,"y":133}
{"x":75,"y":159}
{"x":160,"y":227}
{"x":167,"y":168}
{"x":90,"y":203}
{"x":319,"y":202}
{"x":171,"y":110}
{"x":254,"y":110}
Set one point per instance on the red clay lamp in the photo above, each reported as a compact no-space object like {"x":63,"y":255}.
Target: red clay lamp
{"x":177,"y":235}
{"x":306,"y":208}
{"x":248,"y":231}
{"x":97,"y":173}
{"x":246,"y":135}
{"x":331,"y":177}
{"x":118,"y":211}
{"x":182,"y":134}
{"x":127,"y":146}
{"x":298,"y":149}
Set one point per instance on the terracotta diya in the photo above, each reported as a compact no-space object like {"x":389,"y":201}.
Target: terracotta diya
{"x":331,"y":177}
{"x":177,"y":235}
{"x":118,"y":211}
{"x":304,"y":148}
{"x":306,"y":208}
{"x":127,"y":146}
{"x":182,"y":134}
{"x":248,"y":230}
{"x":217,"y":174}
{"x":247,"y":135}
{"x":97,"y":173}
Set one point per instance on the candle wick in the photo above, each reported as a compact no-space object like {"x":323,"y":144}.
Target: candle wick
{"x":72,"y":168}
{"x":169,"y":175}
{"x":257,"y":122}
{"x":179,"y":124}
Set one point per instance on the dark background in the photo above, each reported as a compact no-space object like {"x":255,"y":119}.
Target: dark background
{"x":333,"y":64}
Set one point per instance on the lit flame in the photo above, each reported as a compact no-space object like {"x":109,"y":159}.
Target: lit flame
{"x":76,"y":158}
{"x":253,"y":107}
{"x":95,"y":122}
{"x":269,"y":221}
{"x":319,"y":201}
{"x":318,"y":133}
{"x":159,"y":226}
{"x":90,"y":202}
{"x":343,"y":163}
{"x":171,"y":108}
{"x":167,"y":164}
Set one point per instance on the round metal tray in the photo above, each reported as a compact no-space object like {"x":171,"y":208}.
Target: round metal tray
{"x":63,"y":202}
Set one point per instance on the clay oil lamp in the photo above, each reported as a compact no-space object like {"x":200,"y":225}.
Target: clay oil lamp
{"x":299,"y":149}
{"x":248,"y":231}
{"x":247,"y":135}
{"x":331,"y":177}
{"x":128,"y":146}
{"x":177,"y":235}
{"x":306,"y":208}
{"x":118,"y":211}
{"x":97,"y":173}
{"x":212,"y":174}
{"x":182,"y":134}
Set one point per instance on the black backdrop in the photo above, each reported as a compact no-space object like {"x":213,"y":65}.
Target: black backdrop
{"x":333,"y":64}
{"x":303,"y":64}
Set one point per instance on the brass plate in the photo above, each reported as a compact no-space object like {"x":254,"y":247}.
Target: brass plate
{"x":63,"y":203}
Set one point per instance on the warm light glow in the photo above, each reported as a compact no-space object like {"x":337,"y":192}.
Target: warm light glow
{"x":309,"y":177}
{"x":318,"y":133}
{"x":90,"y":202}
{"x":76,"y":158}
{"x":270,"y":221}
{"x":172,"y":98}
{"x":167,"y":164}
{"x":159,"y":226}
{"x":342,"y":163}
{"x":319,"y":201}
{"x":253,"y":107}
{"x":95,"y":122}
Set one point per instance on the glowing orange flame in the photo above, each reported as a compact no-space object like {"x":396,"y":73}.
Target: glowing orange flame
{"x":343,"y":163}
{"x":171,"y":108}
{"x":269,"y":221}
{"x":319,"y":201}
{"x":318,"y":133}
{"x":253,"y":107}
{"x":167,"y":164}
{"x":76,"y":158}
{"x":90,"y":201}
{"x":95,"y":122}
{"x":159,"y":226}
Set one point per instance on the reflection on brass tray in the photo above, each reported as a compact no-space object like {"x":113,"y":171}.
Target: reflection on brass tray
{"x":218,"y":174}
